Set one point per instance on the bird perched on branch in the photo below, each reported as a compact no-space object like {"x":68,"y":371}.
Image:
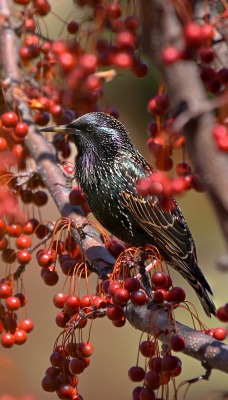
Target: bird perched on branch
{"x":108,"y":167}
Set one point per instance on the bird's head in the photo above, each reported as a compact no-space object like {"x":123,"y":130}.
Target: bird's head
{"x":96,"y":133}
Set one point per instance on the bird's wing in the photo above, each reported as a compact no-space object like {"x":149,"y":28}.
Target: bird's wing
{"x":167,"y":229}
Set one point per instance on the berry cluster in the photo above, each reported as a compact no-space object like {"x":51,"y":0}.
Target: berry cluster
{"x":70,"y":358}
{"x":12,"y":329}
{"x":199,"y":42}
{"x":43,"y":59}
{"x":160,"y":369}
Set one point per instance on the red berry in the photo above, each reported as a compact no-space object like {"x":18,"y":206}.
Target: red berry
{"x":177,"y":294}
{"x":44,"y":258}
{"x":13,"y":303}
{"x":112,"y":288}
{"x":136,"y":374}
{"x":160,"y":295}
{"x":192,"y":34}
{"x":20,"y":336}
{"x":42,"y":7}
{"x":132,"y":22}
{"x":146,"y":394}
{"x":62,"y":319}
{"x":159,"y":279}
{"x":85,"y":301}
{"x":77,"y":197}
{"x":183,"y":168}
{"x":77,"y":365}
{"x":169,"y":363}
{"x":23,"y":299}
{"x":139,"y":298}
{"x":72,"y":27}
{"x":14,"y":230}
{"x":119,"y":324}
{"x":3,"y":144}
{"x":115,"y":313}
{"x":59,"y":300}
{"x":113,"y":11}
{"x":140,"y":69}
{"x":7,"y":340}
{"x":40,"y":198}
{"x":21,"y":129}
{"x":85,"y":349}
{"x":122,"y":296}
{"x":89,"y":63}
{"x":8,"y":255}
{"x":177,"y":343}
{"x":170,"y":55}
{"x":50,"y":278}
{"x":9,"y":119}
{"x":207,"y":32}
{"x":23,"y":257}
{"x":131,"y":284}
{"x":206,"y":55}
{"x":147,"y":348}
{"x":115,"y":247}
{"x":155,"y":364}
{"x":71,"y":349}
{"x":220,"y":333}
{"x":5,"y":290}
{"x":27,"y":325}
{"x":152,"y":380}
{"x":222,"y":313}
{"x":23,"y":242}
{"x":3,"y":243}
{"x":49,"y":383}
{"x":72,"y":304}
{"x":65,"y":392}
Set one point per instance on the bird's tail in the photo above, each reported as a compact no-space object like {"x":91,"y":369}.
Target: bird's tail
{"x":198,"y":282}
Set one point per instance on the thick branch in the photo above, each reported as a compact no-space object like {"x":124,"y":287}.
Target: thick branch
{"x":55,"y":182}
{"x":202,"y":347}
{"x":43,"y":152}
{"x":161,"y":28}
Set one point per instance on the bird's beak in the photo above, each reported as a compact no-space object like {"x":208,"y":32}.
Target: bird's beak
{"x":58,"y":129}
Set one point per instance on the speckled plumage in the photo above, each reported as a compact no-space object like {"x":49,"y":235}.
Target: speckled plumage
{"x":107,"y":168}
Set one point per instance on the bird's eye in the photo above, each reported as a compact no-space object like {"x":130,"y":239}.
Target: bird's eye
{"x":89,"y":128}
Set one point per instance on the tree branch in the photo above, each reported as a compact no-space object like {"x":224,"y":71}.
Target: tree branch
{"x":204,"y":348}
{"x":162,"y":28}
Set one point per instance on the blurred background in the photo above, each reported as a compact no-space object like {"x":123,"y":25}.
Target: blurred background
{"x":115,"y":349}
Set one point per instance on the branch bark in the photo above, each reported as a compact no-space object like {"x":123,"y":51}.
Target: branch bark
{"x":198,"y":345}
{"x":162,"y":28}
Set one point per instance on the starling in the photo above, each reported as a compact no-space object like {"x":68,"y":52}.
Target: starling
{"x":108,"y":167}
